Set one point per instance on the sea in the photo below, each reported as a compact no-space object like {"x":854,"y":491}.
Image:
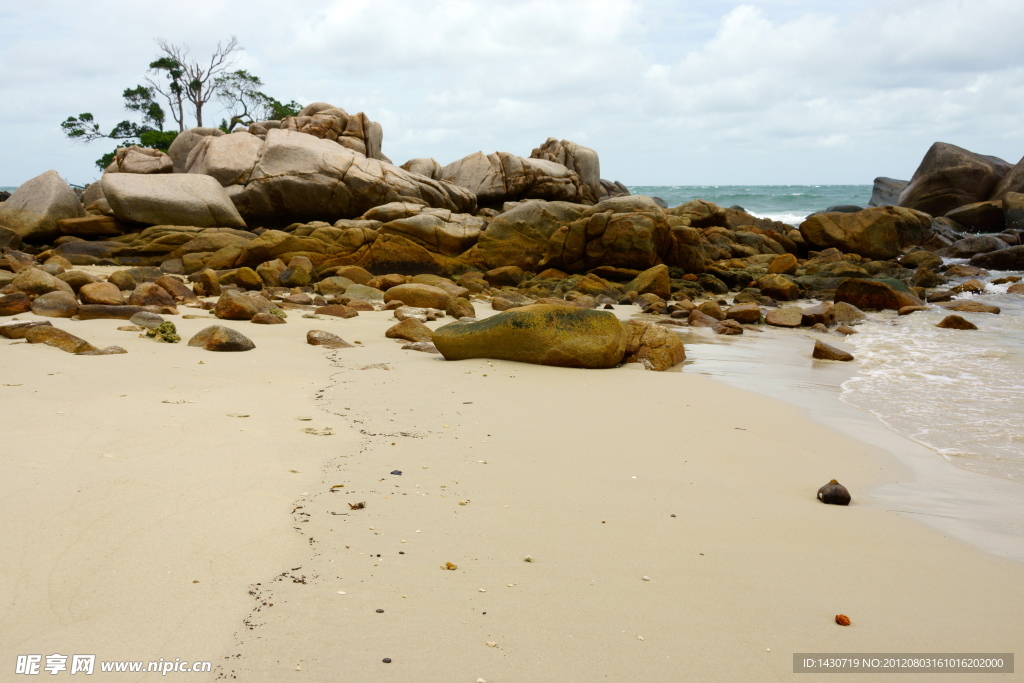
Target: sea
{"x":954,"y":397}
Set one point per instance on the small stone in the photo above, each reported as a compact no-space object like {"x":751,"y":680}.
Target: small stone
{"x":380,"y":611}
{"x":956,"y":322}
{"x":834,"y":493}
{"x":220,"y":338}
{"x":823,"y":351}
{"x":842,"y":620}
{"x":268,"y":319}
{"x":386,"y":660}
{"x":322,"y":338}
{"x":491,"y":643}
{"x":148,"y":320}
{"x":647,"y":578}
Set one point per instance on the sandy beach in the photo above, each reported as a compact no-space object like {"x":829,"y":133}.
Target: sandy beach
{"x":176,"y":503}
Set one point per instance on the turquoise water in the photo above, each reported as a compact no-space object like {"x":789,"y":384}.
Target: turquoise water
{"x":786,"y":203}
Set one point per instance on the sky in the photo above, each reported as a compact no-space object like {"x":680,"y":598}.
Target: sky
{"x":687,"y":92}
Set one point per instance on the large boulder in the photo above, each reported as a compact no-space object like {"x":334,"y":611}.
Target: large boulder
{"x":183,"y":143}
{"x":353,"y":131}
{"x":874,"y":295}
{"x":519,"y":236}
{"x":949,"y":177}
{"x":1013,"y":181}
{"x":300,"y":177}
{"x":229,"y":159}
{"x":878,"y":233}
{"x":656,"y":346}
{"x":501,"y":177}
{"x":543,"y":334}
{"x":1011,"y":258}
{"x":980,"y":216}
{"x":137,"y":159}
{"x":886,"y":191}
{"x":581,"y":160}
{"x":34,"y":208}
{"x":438,"y":230}
{"x":424,"y":166}
{"x":170,"y":199}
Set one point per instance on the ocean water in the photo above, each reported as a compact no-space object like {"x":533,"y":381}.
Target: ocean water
{"x":787,"y":203}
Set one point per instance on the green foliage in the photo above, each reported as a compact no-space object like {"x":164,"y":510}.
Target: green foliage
{"x":239,"y":92}
{"x":158,"y":139}
{"x":278,"y":111}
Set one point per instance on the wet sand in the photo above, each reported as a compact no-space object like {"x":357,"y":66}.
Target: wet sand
{"x":148,"y":518}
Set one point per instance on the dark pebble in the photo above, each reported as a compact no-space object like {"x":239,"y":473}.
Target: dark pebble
{"x":380,"y":611}
{"x":834,"y":493}
{"x":397,"y":473}
{"x":401,"y":552}
{"x":386,"y":660}
{"x":673,"y":515}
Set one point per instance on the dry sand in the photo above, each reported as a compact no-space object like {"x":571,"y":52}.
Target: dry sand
{"x":168,"y":503}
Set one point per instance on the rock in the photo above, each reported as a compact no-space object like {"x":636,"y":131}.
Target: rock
{"x":886,"y":191}
{"x":975,"y":244}
{"x":123,"y":280}
{"x":502,"y":177}
{"x":542,"y":334}
{"x":104,"y":312}
{"x":711,"y":309}
{"x":294,"y":276}
{"x":418,"y":295}
{"x":185,"y":142}
{"x":972,"y":286}
{"x":506,"y":276}
{"x":654,"y":346}
{"x":77,"y":279}
{"x":1011,"y":258}
{"x":787,"y":316}
{"x":582,"y":161}
{"x":362,"y":293}
{"x":907,"y":310}
{"x":834,"y":493}
{"x":424,"y":166}
{"x":234,"y":305}
{"x":697,"y":318}
{"x":9,"y":239}
{"x":921,"y":259}
{"x":220,"y":338}
{"x":963,"y":270}
{"x":248,"y":279}
{"x":150,"y":294}
{"x":57,"y":338}
{"x":229,"y":159}
{"x":410,"y":329}
{"x":877,"y":233}
{"x":337,"y":311}
{"x":980,"y":216}
{"x":147,"y":319}
{"x":955,"y":322}
{"x":55,"y":305}
{"x":170,"y":199}
{"x":421,"y":314}
{"x":438,"y":230}
{"x":425,"y":347}
{"x":15,"y":303}
{"x":91,"y":227}
{"x":950,"y":177}
{"x":1015,"y":289}
{"x":267,"y":319}
{"x":846,"y":330}
{"x":968,"y":307}
{"x":652,"y":281}
{"x":322,"y":338}
{"x":35,"y":282}
{"x":108,"y":351}
{"x":299,"y":178}
{"x":19,"y":330}
{"x":727,"y":327}
{"x":137,"y":159}
{"x":520,"y":235}
{"x":823,"y":351}
{"x":177,"y":289}
{"x":1013,"y":209}
{"x":823,"y":313}
{"x":358,"y":275}
{"x":206,"y":283}
{"x":778,"y":287}
{"x":875,"y":294}
{"x":747,"y":313}
{"x":460,"y":307}
{"x":34,"y":209}
{"x":783,"y":264}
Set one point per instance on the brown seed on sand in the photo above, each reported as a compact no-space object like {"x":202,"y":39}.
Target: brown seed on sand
{"x":842,"y":620}
{"x":834,"y":493}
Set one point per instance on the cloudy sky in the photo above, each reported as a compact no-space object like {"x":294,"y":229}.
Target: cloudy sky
{"x":683,"y":92}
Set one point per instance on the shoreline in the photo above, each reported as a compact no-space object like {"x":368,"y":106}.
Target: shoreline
{"x":248,"y":514}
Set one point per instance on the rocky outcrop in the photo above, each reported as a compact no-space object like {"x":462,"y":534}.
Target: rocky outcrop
{"x":322,"y":120}
{"x":137,"y":159}
{"x":170,"y":199}
{"x":502,"y":177}
{"x":886,"y":191}
{"x":229,"y":159}
{"x":1011,"y":258}
{"x":877,"y":233}
{"x":543,"y":334}
{"x":299,"y":177}
{"x":949,"y":177}
{"x":581,"y":160}
{"x":1013,"y":181}
{"x":35,"y":207}
{"x":185,"y":141}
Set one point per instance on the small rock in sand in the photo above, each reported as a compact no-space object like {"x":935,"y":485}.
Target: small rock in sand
{"x":834,"y":493}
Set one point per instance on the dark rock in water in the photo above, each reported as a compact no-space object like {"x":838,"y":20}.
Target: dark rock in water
{"x":660,"y":202}
{"x":907,"y":310}
{"x":220,"y":338}
{"x":727,"y":327}
{"x":543,"y":334}
{"x":15,"y":303}
{"x":965,"y":306}
{"x":4,"y":196}
{"x":322,"y":338}
{"x":950,"y":177}
{"x":955,"y":322}
{"x":1011,"y":258}
{"x":876,"y":294}
{"x":980,"y":216}
{"x":964,"y":270}
{"x":834,"y":493}
{"x":886,"y":191}
{"x":823,"y":351}
{"x":823,"y":313}
{"x":846,"y":330}
{"x":698,"y":318}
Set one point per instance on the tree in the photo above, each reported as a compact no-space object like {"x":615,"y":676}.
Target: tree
{"x":174,"y":90}
{"x":237,"y":91}
{"x":197,"y":81}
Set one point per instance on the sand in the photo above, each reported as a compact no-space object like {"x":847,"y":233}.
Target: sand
{"x":170,"y":503}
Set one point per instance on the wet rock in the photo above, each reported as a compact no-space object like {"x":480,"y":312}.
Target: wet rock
{"x":322,"y":338}
{"x":963,"y":306}
{"x":337,"y":311}
{"x":220,"y":338}
{"x":846,"y":330}
{"x":907,"y":310}
{"x":711,"y":309}
{"x":55,"y":305}
{"x":15,"y":303}
{"x":419,"y":295}
{"x":847,"y":314}
{"x":955,"y":322}
{"x":57,"y":338}
{"x":921,"y":259}
{"x":875,"y":294}
{"x":823,"y":351}
{"x":103,"y":293}
{"x":1015,"y":289}
{"x":267,"y":319}
{"x":787,"y":316}
{"x":727,"y":327}
{"x":542,"y":334}
{"x":697,"y":318}
{"x":410,"y":329}
{"x":778,"y":287}
{"x":973,"y":286}
{"x":783,"y":264}
{"x":823,"y":313}
{"x":748,"y":314}
{"x":654,"y":346}
{"x":1011,"y":258}
{"x":834,"y":493}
